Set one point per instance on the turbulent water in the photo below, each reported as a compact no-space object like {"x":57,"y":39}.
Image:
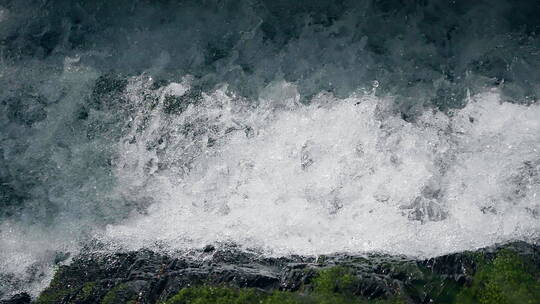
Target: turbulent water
{"x":407,"y":127}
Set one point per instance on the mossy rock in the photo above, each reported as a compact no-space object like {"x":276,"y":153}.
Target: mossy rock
{"x":336,"y":279}
{"x":507,"y":279}
{"x":217,"y":295}
{"x":85,"y":295}
{"x":58,"y":291}
{"x":503,"y":274}
{"x":229,"y":295}
{"x":334,"y":285}
{"x":122,"y":293}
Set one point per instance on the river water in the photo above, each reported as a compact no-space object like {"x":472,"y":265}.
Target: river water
{"x":405,"y":127}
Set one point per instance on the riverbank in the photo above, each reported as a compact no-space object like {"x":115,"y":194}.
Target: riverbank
{"x":499,"y":274}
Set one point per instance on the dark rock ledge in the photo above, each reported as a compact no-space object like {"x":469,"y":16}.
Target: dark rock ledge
{"x":498,"y":274}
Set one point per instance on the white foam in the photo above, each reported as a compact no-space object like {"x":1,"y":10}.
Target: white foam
{"x":335,"y":175}
{"x":28,"y":253}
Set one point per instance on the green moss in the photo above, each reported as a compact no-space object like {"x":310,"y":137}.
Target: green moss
{"x":335,"y":280}
{"x":340,"y":285}
{"x":86,"y":292}
{"x":424,"y":284}
{"x":280,"y":297}
{"x":217,"y":295}
{"x":56,"y":291}
{"x":53,"y":296}
{"x":507,"y":279}
{"x":119,"y":294}
{"x":225,"y":295}
{"x":336,"y":285}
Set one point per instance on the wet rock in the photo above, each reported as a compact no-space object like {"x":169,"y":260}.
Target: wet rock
{"x":21,"y":298}
{"x":209,"y":248}
{"x":148,"y":277}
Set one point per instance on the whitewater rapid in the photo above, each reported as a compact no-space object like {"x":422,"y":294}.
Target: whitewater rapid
{"x":284,"y":177}
{"x":332,"y":176}
{"x":282,"y":127}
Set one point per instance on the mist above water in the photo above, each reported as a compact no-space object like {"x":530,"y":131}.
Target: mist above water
{"x":409,"y":128}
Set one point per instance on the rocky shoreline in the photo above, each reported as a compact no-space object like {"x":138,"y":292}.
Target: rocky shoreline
{"x":502,"y":273}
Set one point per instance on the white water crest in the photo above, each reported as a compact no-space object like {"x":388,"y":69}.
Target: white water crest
{"x":334,"y":175}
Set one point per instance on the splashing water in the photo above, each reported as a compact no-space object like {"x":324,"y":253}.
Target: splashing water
{"x":334,"y":175}
{"x":409,"y":128}
{"x":291,"y":178}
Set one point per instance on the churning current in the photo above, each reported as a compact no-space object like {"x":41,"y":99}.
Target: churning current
{"x":330,"y":126}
